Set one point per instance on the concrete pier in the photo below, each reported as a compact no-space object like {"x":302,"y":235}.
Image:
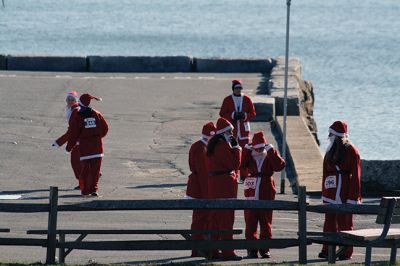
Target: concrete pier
{"x":153,"y":120}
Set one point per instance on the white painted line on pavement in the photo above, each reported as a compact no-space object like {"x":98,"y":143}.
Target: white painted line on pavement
{"x":189,"y":77}
{"x":206,"y":77}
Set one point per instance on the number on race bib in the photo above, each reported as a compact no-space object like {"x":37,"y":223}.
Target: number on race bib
{"x":90,"y":122}
{"x":330,"y":182}
{"x":250,"y":183}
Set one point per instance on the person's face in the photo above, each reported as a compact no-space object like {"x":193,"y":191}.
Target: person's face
{"x":237,"y":90}
{"x":229,"y":132}
{"x":70,"y":101}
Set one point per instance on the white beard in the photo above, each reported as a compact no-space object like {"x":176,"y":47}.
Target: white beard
{"x":68,"y":112}
{"x":331,"y":140}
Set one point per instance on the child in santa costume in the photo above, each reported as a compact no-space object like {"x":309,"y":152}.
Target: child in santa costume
{"x":340,"y":183}
{"x":261,"y":160}
{"x":89,"y":128}
{"x":197,"y":186}
{"x":239,"y":110}
{"x":223,"y":160}
{"x":71,"y":110}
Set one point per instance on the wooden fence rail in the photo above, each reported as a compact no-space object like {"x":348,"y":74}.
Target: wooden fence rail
{"x":53,"y":208}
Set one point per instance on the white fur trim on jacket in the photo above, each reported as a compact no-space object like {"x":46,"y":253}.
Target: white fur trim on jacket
{"x":331,"y":201}
{"x":354,"y":202}
{"x":92,"y":156}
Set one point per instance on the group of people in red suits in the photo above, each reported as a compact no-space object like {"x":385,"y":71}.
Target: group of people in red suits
{"x":224,"y":154}
{"x":222,"y":158}
{"x":86,"y":129}
{"x":219,"y":159}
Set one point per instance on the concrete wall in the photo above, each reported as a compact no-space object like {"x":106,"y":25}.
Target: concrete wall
{"x":223,"y":65}
{"x":135,"y":64}
{"x":3,"y":62}
{"x":139,"y":64}
{"x":45,"y":63}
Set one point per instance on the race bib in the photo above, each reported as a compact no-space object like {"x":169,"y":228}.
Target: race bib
{"x":250,"y":183}
{"x":330,"y":182}
{"x":247,"y":126}
{"x":90,"y":122}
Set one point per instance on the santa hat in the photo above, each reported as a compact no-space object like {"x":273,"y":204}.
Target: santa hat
{"x":338,"y":128}
{"x":258,"y":140}
{"x":73,"y":94}
{"x":223,"y":125}
{"x":208,"y":130}
{"x":85,"y":99}
{"x":236,"y":84}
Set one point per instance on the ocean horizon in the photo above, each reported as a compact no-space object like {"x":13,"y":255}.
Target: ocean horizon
{"x":347,"y":48}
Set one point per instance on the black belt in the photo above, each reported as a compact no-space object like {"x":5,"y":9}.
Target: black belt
{"x":216,"y":173}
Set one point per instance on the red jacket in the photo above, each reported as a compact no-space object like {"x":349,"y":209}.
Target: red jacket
{"x":64,"y":138}
{"x":88,"y":127}
{"x":260,"y":182}
{"x":225,"y":160}
{"x":341,"y":183}
{"x":197,"y":185}
{"x":228,"y":108}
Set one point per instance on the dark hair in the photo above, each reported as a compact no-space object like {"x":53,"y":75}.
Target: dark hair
{"x":213,"y":142}
{"x":336,"y":154}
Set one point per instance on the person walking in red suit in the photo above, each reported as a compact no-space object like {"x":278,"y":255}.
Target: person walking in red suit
{"x":197,"y":186}
{"x":88,"y":127}
{"x":239,"y":110}
{"x":223,"y":160}
{"x":261,"y":160}
{"x":71,"y":110}
{"x":340,"y":183}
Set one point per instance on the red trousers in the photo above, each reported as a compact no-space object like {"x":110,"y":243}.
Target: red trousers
{"x":338,"y":222}
{"x":252,"y":218}
{"x":222,"y":219}
{"x":76,"y":162}
{"x":199,"y":222}
{"x":89,"y":177}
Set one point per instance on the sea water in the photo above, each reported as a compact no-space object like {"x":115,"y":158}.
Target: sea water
{"x":348,"y":48}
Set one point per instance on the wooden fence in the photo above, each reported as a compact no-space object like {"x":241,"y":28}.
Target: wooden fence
{"x":53,"y":208}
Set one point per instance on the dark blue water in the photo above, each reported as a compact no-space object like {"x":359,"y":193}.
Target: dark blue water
{"x":348,"y":48}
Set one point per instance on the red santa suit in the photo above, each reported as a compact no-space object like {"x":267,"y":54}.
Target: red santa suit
{"x":341,"y":184}
{"x":260,"y":185}
{"x":222,"y":163}
{"x":70,"y":113}
{"x":235,"y":104}
{"x":197,"y":186}
{"x":88,"y":128}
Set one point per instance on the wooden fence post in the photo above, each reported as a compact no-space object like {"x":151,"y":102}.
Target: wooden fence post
{"x":302,"y":225}
{"x":52,"y":227}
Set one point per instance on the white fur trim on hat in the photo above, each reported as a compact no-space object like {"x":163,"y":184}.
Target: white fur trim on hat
{"x":238,"y":86}
{"x":261,"y":145}
{"x":224,"y":129}
{"x":334,"y":132}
